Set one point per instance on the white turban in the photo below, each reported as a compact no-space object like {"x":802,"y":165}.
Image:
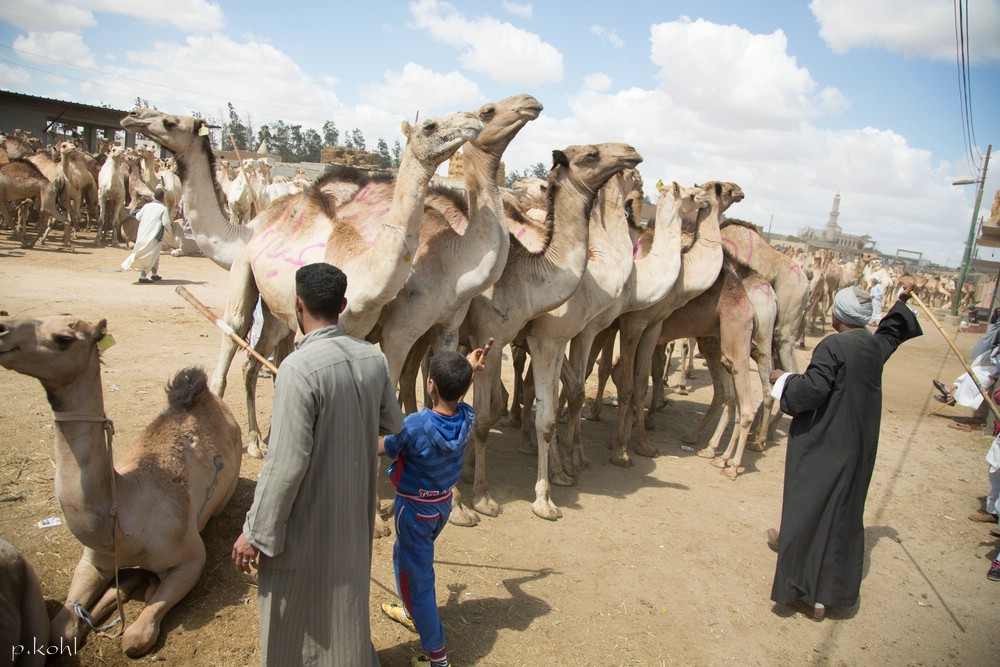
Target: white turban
{"x":853,"y":306}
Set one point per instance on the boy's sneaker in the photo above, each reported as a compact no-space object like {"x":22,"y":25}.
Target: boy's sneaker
{"x":424,"y":661}
{"x":397,"y":612}
{"x":994,"y":573}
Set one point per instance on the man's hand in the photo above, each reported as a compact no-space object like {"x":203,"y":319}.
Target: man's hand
{"x":906,"y":292}
{"x":775,"y":375}
{"x":244,"y":554}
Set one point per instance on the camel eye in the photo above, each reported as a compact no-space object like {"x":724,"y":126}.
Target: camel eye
{"x":430,"y":128}
{"x":488,"y":111}
{"x":63,"y":341}
{"x":169,"y":123}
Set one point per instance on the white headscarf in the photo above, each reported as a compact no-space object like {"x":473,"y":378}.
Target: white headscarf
{"x":853,"y":306}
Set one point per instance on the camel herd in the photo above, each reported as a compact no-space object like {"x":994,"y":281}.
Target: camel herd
{"x":561,"y":270}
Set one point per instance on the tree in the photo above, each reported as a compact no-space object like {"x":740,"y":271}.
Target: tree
{"x":384,"y":157}
{"x":331,"y":135}
{"x":243,"y":133}
{"x":512,"y":176}
{"x":312,"y":143}
{"x":141,"y":103}
{"x":356,"y":140}
{"x":397,"y":153}
{"x":539,"y":170}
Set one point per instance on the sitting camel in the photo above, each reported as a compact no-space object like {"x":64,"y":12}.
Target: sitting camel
{"x":24,"y":622}
{"x":179,"y":472}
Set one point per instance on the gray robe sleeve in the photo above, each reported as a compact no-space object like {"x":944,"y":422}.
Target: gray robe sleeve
{"x":293,"y":420}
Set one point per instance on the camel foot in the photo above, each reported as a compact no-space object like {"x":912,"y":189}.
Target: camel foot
{"x":591,"y":415}
{"x":682,"y":390}
{"x":719,"y":463}
{"x":562,"y":479}
{"x":461,"y":516}
{"x":706,"y":453}
{"x":620,"y":458}
{"x":381,"y":528}
{"x":732,"y":472}
{"x":755,"y":446}
{"x":545,"y":509}
{"x":646,"y":450}
{"x":513,"y":421}
{"x":529,"y":448}
{"x":488,"y":507}
{"x":139,"y":638}
{"x":581,"y":462}
{"x":689,"y":439}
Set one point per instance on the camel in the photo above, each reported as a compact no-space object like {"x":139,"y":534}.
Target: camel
{"x":24,"y":621}
{"x":241,"y":203}
{"x":639,"y":329}
{"x":81,"y":188}
{"x":147,"y":167}
{"x":530,"y":285}
{"x":176,"y":474}
{"x":608,"y":268}
{"x":111,"y":195}
{"x":308,"y":227}
{"x":740,"y":312}
{"x":20,"y":179}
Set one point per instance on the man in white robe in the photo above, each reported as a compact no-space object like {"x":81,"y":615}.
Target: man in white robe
{"x":154,"y":222}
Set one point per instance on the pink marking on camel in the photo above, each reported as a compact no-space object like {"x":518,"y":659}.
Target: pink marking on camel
{"x":521,"y":232}
{"x":635,"y":249}
{"x":272,"y":273}
{"x":298,"y":223}
{"x":733,"y":248}
{"x":275,"y":255}
{"x":265,"y":246}
{"x":299,"y":261}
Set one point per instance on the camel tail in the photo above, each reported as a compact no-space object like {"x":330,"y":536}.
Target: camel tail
{"x":186,"y":387}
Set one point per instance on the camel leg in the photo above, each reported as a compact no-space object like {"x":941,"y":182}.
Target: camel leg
{"x":576,"y":395}
{"x":175,"y":583}
{"x":764,"y":367}
{"x":623,"y":377}
{"x":34,"y":618}
{"x":604,"y":344}
{"x":486,"y":398}
{"x":239,"y":315}
{"x":660,"y":365}
{"x":526,"y":388}
{"x":518,"y":402}
{"x":709,"y":349}
{"x":273,"y":334}
{"x":546,"y":362}
{"x":736,"y":358}
{"x":90,"y":578}
{"x":408,"y":374}
{"x":643,"y":361}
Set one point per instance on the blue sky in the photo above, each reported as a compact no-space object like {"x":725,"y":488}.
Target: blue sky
{"x":795,"y":101}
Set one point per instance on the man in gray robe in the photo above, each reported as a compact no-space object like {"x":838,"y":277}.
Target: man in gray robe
{"x":836,"y":409}
{"x":310,"y":527}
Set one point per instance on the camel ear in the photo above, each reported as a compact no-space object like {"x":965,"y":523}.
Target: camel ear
{"x":559,"y":159}
{"x":406,"y":128}
{"x":99,"y":331}
{"x":718,"y":189}
{"x":677,"y":188}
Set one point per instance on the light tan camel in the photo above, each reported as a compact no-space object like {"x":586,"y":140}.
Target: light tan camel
{"x":24,"y":622}
{"x":609,"y":266}
{"x":20,"y":179}
{"x":177,"y":474}
{"x":81,"y":188}
{"x":307,"y":228}
{"x":532,"y":284}
{"x":111,"y":196}
{"x":640,"y":329}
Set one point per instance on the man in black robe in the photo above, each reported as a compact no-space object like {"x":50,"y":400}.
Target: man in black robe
{"x":836,"y":408}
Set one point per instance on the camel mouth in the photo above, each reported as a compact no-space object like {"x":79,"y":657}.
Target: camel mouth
{"x":531,"y":113}
{"x":4,"y":354}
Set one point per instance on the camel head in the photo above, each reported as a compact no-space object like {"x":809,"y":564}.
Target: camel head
{"x":684,"y":200}
{"x":589,"y":167}
{"x":433,"y":140}
{"x":502,"y":120}
{"x":54,"y":350}
{"x":117,"y":155}
{"x":178,"y":134}
{"x":726,"y":192}
{"x":66,"y":149}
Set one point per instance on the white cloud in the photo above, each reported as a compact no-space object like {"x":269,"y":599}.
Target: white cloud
{"x":12,"y":77}
{"x":924,"y":28}
{"x":609,"y":36}
{"x":410,"y":90}
{"x":496,"y":49}
{"x":597,"y":81}
{"x":741,"y":78}
{"x":188,"y":15}
{"x":517,"y":8}
{"x":46,"y":15}
{"x":68,"y":47}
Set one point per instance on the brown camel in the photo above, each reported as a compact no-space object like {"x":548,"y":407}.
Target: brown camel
{"x":24,"y":623}
{"x":177,"y":474}
{"x":20,"y":179}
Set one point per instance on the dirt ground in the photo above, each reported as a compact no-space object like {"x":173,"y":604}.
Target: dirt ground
{"x":663,"y":563}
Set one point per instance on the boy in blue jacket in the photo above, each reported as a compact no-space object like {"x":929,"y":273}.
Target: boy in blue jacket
{"x":428,"y":462}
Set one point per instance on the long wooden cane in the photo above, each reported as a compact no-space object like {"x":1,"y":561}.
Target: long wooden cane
{"x":965,"y":364}
{"x":224,"y":327}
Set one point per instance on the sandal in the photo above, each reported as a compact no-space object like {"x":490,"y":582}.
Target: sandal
{"x":397,"y":612}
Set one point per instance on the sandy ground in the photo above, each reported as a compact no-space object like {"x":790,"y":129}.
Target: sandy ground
{"x":662,"y":563}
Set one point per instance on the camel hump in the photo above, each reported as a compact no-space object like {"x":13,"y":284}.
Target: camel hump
{"x":186,"y":387}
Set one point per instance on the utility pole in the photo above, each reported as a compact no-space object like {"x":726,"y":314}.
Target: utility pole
{"x":967,"y":258}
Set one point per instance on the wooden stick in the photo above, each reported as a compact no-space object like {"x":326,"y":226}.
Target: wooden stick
{"x":225,"y":328}
{"x":486,"y":349}
{"x":246,"y":178}
{"x":965,"y":364}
